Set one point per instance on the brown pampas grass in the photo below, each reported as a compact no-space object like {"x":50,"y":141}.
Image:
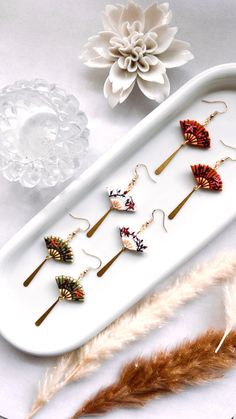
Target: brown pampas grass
{"x":151,"y":313}
{"x":191,"y":363}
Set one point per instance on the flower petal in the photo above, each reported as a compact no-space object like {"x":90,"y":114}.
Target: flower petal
{"x":120,"y":79}
{"x":118,"y":97}
{"x":177,"y":54}
{"x":157,"y":15}
{"x":155,"y":73}
{"x":111,"y":17}
{"x":155,"y":91}
{"x":165,"y":37}
{"x":92,"y":59}
{"x":131,"y":13}
{"x":100,"y":43}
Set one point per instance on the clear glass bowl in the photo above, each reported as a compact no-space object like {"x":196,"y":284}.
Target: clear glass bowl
{"x":43,"y":134}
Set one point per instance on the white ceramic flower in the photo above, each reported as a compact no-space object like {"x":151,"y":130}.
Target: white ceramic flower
{"x":138,"y":46}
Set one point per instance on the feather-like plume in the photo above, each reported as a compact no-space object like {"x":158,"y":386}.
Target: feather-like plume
{"x":151,"y":313}
{"x":229,"y":292}
{"x":143,"y":379}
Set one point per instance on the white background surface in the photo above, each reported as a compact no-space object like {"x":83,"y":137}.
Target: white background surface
{"x":43,"y":39}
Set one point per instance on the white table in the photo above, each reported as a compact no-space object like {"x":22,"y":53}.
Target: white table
{"x":43,"y":39}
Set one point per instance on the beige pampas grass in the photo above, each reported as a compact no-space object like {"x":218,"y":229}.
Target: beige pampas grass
{"x":229,"y":292}
{"x":151,"y":313}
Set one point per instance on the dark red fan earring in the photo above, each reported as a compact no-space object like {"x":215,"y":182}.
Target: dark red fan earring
{"x":58,"y":249}
{"x":206,"y":177}
{"x":131,"y":241}
{"x":194,"y":133}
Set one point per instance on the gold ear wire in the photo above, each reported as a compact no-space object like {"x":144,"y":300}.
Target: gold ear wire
{"x":146,"y":224}
{"x":163,"y":217}
{"x":82,"y":219}
{"x":213,"y":114}
{"x":136,"y":176}
{"x":228,"y":145}
{"x":147,"y":171}
{"x":93,"y":256}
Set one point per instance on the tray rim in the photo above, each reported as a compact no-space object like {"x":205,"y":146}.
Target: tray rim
{"x":126,"y":141}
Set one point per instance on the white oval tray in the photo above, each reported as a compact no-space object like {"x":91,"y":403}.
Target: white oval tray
{"x":70,"y":324}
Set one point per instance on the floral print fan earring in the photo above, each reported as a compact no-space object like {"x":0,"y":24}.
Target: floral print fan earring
{"x":69,"y":288}
{"x":206,"y":177}
{"x":194,"y":133}
{"x":132,"y":241}
{"x":120,"y":200}
{"x":58,"y":249}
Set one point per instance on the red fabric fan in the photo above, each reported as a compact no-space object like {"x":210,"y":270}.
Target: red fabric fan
{"x":206,"y":177}
{"x":195,"y":134}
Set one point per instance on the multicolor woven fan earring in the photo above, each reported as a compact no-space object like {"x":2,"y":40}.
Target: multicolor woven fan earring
{"x":132,"y":241}
{"x":58,"y":249}
{"x":194,"y":133}
{"x":206,"y":177}
{"x":69,"y":288}
{"x":120,"y":200}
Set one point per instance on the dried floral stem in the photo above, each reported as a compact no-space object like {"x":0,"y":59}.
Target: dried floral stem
{"x":143,"y":379}
{"x":151,"y":313}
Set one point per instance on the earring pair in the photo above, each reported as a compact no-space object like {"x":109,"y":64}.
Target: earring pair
{"x":69,"y":288}
{"x":58,"y":249}
{"x":194,"y":134}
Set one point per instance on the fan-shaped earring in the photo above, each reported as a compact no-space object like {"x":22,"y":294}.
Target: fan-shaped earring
{"x":58,"y":249}
{"x":194,"y":133}
{"x":131,"y":241}
{"x":69,"y":288}
{"x":120,"y":200}
{"x":206,"y":177}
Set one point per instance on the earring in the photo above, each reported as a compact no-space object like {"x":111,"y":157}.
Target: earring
{"x":194,"y":134}
{"x":206,"y":177}
{"x":120,"y":200}
{"x":58,"y":249}
{"x":69,"y":288}
{"x":132,"y":241}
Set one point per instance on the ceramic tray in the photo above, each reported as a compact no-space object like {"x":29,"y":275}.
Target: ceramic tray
{"x":69,"y":325}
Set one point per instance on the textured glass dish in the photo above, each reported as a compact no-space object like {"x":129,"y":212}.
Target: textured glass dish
{"x":43,"y":134}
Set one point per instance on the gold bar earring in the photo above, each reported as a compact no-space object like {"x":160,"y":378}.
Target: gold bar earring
{"x":120,"y":200}
{"x":131,"y":241}
{"x":206,"y":177}
{"x":70,"y":289}
{"x":194,"y":133}
{"x":58,"y":249}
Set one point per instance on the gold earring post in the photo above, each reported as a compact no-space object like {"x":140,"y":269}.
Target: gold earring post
{"x":160,"y":169}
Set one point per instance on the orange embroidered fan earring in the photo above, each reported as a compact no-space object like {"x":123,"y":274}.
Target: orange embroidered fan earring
{"x":70,"y":289}
{"x":132,"y":241}
{"x":58,"y":249}
{"x":194,"y":133}
{"x":206,"y":177}
{"x":120,"y":200}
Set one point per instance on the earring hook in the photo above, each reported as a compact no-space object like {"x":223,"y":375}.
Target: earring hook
{"x":163,"y":217}
{"x":83,"y":219}
{"x":93,"y":256}
{"x":147,"y":171}
{"x":217,"y":101}
{"x":228,"y":145}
